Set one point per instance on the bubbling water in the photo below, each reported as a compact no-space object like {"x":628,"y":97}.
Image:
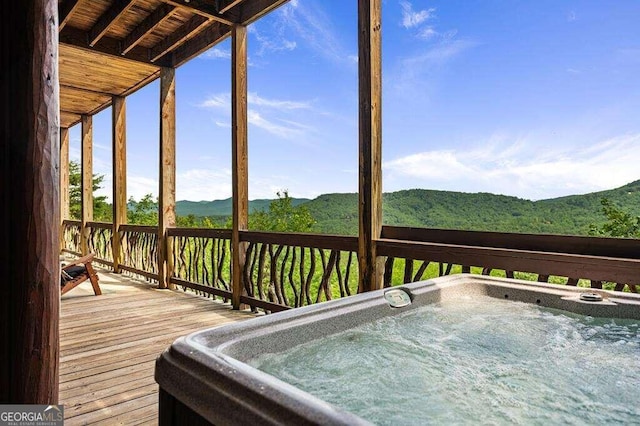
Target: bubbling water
{"x":474,"y":361}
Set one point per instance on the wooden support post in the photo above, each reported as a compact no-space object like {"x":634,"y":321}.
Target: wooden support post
{"x":167,"y":195}
{"x":119,"y":163}
{"x":370,"y":144}
{"x":86,"y":170}
{"x":64,"y":180}
{"x":239,"y":156}
{"x":30,"y":204}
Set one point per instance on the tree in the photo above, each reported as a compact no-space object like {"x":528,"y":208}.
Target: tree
{"x":143,"y":212}
{"x":619,"y":223}
{"x":101,"y":209}
{"x":282,"y":216}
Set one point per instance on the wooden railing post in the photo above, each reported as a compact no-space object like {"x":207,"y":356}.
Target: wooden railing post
{"x":167,"y":190}
{"x":370,"y":144}
{"x":29,"y":189}
{"x":86,"y":167}
{"x":64,"y":181}
{"x":239,"y":156}
{"x":119,"y":160}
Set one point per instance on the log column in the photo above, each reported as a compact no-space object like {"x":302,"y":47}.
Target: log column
{"x":86,"y":170}
{"x":64,"y":180}
{"x":30,"y":194}
{"x":167,"y":196}
{"x":370,"y":144}
{"x":239,"y":156}
{"x":119,"y":163}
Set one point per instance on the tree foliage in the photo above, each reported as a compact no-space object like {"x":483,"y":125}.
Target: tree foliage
{"x":101,"y":209}
{"x":619,"y":223}
{"x":143,"y":212}
{"x":282,"y":216}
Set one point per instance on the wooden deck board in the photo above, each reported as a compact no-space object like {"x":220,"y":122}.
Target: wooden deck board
{"x":109,"y":344}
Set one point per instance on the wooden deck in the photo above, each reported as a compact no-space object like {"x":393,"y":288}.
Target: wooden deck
{"x":109,"y":344}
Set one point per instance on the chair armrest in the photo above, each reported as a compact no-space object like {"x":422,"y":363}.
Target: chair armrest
{"x":83,"y":260}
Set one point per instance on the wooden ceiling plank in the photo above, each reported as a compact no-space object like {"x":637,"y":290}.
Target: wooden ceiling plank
{"x":212,"y":35}
{"x":156,"y":18}
{"x":107,"y":46}
{"x":107,"y":19}
{"x":226,"y":5}
{"x":178,"y":37}
{"x":65,"y":11}
{"x":84,"y":89}
{"x":253,"y":10}
{"x":204,"y":9}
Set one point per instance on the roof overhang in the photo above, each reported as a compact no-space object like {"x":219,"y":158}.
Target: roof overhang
{"x":114,"y":47}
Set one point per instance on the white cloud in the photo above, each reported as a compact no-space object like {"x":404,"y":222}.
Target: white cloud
{"x":221,"y":100}
{"x":411,"y":18}
{"x":417,"y":73}
{"x":139,"y":186}
{"x":522,"y":168}
{"x":261,"y":111}
{"x":287,"y":130}
{"x":427,"y":33}
{"x":306,"y":22}
{"x":254,"y":99}
{"x":271,"y":43}
{"x":200,"y":184}
{"x":217,"y":53}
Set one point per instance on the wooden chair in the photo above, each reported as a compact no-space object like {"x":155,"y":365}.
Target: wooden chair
{"x":70,"y":282}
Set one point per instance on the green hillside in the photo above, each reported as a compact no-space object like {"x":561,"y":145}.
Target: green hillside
{"x":219,"y":208}
{"x":338,"y":213}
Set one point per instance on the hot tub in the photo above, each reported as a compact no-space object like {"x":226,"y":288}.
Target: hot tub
{"x":451,"y":348}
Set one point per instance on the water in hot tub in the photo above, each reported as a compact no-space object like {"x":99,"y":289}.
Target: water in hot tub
{"x":474,"y":361}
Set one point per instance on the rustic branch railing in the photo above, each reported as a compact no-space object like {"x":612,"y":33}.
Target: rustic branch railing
{"x":292,"y":270}
{"x":561,"y":259}
{"x":286,"y":270}
{"x":71,"y":237}
{"x":99,"y":242}
{"x":201,"y":260}
{"x":139,"y":250}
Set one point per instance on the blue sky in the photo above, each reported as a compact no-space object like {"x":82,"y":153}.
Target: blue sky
{"x":535,"y":99}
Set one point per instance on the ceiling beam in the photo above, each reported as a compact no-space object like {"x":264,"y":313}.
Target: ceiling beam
{"x":225,"y":5}
{"x":178,"y":37}
{"x":65,"y":10}
{"x":156,"y":18}
{"x":108,"y":46}
{"x":212,"y":35}
{"x":70,"y":113}
{"x":107,"y":19}
{"x":251,"y":11}
{"x":83,"y":89}
{"x":205,"y":9}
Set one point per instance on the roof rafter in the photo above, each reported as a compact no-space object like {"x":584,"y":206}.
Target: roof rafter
{"x":251,"y":11}
{"x":157,"y":17}
{"x":107,"y":19}
{"x":107,"y":45}
{"x":65,"y":10}
{"x":178,"y":37}
{"x":225,"y":5}
{"x":205,"y":9}
{"x":213,"y":34}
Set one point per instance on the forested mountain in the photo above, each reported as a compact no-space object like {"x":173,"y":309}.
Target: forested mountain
{"x":223,"y":207}
{"x":338,"y":213}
